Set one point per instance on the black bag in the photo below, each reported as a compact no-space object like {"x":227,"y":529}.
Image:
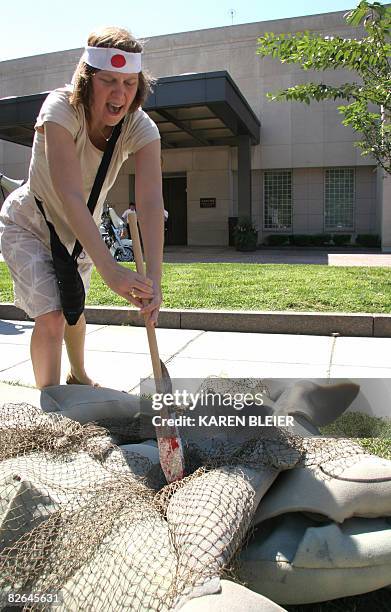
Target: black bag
{"x":70,"y":284}
{"x":69,"y":281}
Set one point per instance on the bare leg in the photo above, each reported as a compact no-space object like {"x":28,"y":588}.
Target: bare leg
{"x":46,"y":347}
{"x":75,"y":336}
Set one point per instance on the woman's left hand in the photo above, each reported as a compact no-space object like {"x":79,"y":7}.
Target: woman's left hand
{"x":151,"y":310}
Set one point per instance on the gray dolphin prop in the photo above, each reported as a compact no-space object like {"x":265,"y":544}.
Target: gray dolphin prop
{"x":323,"y":529}
{"x":314,"y":405}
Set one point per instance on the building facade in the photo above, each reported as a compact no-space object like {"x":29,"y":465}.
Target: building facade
{"x":307,"y":177}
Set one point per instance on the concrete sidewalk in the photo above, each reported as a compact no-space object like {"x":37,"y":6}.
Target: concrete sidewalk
{"x":118,"y":356}
{"x":355,"y":256}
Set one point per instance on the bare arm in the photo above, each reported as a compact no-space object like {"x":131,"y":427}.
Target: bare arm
{"x":65,"y":172}
{"x":149,"y":202}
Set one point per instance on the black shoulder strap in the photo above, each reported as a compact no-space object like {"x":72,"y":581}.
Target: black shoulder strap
{"x":96,"y":188}
{"x":100,"y":177}
{"x":104,"y":164}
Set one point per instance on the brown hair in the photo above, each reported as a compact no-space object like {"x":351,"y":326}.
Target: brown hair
{"x":117,"y":38}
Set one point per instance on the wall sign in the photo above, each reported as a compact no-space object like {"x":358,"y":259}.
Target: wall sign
{"x":207,"y":202}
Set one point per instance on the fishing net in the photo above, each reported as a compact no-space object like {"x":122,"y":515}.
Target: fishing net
{"x":86,"y":525}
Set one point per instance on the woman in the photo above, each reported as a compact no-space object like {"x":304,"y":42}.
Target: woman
{"x":71,"y":133}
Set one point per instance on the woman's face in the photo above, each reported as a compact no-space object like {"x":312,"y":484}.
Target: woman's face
{"x":112,"y":95}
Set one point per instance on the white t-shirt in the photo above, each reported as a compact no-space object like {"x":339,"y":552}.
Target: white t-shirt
{"x":20,"y":208}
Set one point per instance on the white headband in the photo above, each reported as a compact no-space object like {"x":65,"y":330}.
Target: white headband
{"x":115,"y":60}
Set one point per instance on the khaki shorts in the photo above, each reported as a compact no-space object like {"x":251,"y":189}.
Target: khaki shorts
{"x":31,"y":266}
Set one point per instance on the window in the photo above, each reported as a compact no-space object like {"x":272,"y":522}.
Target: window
{"x":278,"y":199}
{"x":339,"y":198}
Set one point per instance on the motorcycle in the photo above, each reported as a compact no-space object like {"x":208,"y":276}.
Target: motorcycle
{"x":112,"y":229}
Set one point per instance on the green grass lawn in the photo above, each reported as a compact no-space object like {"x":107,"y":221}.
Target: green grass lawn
{"x":256,"y":287}
{"x":373,"y":433}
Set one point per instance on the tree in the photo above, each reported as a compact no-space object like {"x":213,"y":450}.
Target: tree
{"x":368,"y":107}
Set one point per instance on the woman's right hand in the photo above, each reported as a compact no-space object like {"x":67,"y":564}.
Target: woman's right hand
{"x":130,"y":285}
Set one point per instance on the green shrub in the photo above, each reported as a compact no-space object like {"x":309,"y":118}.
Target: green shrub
{"x":245,"y":235}
{"x":320,"y":239}
{"x":310,"y":239}
{"x":341,"y":239}
{"x":368,"y":240}
{"x":277,"y":239}
{"x":302,"y":239}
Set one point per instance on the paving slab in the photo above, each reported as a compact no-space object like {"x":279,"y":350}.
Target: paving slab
{"x":121,"y":371}
{"x":20,"y":374}
{"x":359,"y":372}
{"x":12,"y":355}
{"x":125,"y":339}
{"x":17,"y":394}
{"x":356,"y":371}
{"x":19,"y":332}
{"x":277,"y":348}
{"x":359,"y":259}
{"x":375,"y":353}
{"x":200,"y":368}
{"x":16,"y":332}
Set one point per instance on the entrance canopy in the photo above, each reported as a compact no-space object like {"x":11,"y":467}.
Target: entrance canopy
{"x":200,"y":110}
{"x":190,"y":110}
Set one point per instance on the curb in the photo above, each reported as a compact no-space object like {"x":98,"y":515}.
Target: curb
{"x":267,"y":322}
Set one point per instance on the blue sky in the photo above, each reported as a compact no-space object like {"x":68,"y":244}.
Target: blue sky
{"x":30,"y":27}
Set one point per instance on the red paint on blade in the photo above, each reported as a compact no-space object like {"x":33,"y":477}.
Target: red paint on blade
{"x":171,"y":458}
{"x":174,"y":443}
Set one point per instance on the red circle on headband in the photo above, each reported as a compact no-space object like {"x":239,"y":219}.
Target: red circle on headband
{"x":118,"y":61}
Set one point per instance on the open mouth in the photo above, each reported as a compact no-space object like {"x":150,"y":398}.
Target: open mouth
{"x":113,"y":109}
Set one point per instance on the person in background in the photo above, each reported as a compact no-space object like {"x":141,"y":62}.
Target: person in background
{"x":132,"y":208}
{"x":126,"y":232}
